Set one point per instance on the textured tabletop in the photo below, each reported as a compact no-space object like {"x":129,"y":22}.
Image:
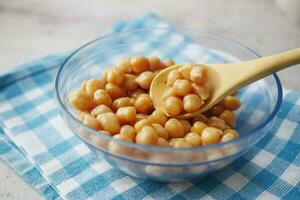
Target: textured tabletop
{"x":36,"y":28}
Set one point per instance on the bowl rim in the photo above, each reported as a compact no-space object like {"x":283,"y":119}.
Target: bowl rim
{"x":156,"y":148}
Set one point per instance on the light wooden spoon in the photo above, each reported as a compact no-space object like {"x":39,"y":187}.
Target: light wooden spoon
{"x":226,"y":78}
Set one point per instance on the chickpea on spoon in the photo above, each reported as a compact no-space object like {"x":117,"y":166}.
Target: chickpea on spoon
{"x":202,"y":86}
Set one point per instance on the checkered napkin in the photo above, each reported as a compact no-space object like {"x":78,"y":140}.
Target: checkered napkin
{"x":35,"y":142}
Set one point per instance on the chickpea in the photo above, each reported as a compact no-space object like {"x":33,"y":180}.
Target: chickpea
{"x":202,"y":91}
{"x":121,"y":102}
{"x":139,"y":64}
{"x":137,"y":92}
{"x":91,"y":121}
{"x":169,"y":62}
{"x":216,"y":122}
{"x":168,"y":93}
{"x":214,"y":154}
{"x":173,"y":106}
{"x":216,"y":110}
{"x":201,"y":118}
{"x":226,"y":137}
{"x":80,"y":115}
{"x":198,"y":127}
{"x":130,"y":83}
{"x":182,"y":87}
{"x":173,"y":140}
{"x":132,"y":101}
{"x":100,"y":109}
{"x":141,"y":116}
{"x":193,"y":139}
{"x":192,"y":103}
{"x":102,"y":97}
{"x":147,"y":136}
{"x":140,"y":124}
{"x":186,"y":125}
{"x":144,"y":79}
{"x":104,"y":74}
{"x":210,"y":135}
{"x":126,"y":115}
{"x":109,"y":122}
{"x":128,"y":131}
{"x":172,"y":77}
{"x":83,"y":86}
{"x":81,"y":100}
{"x":120,"y":149}
{"x":143,"y":103}
{"x":198,"y":74}
{"x":185,"y":71}
{"x":162,"y":142}
{"x":92,"y":85}
{"x":181,"y":144}
{"x":98,"y":141}
{"x":155,"y":63}
{"x":174,"y":128}
{"x":125,"y":65}
{"x":231,"y":103}
{"x":114,"y":91}
{"x":161,"y":131}
{"x":229,"y":117}
{"x":159,"y":117}
{"x":115,"y":76}
{"x":234,"y":132}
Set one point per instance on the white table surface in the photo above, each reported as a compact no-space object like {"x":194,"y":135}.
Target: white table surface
{"x":33,"y":28}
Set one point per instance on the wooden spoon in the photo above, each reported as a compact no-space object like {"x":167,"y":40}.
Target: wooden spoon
{"x":226,"y":78}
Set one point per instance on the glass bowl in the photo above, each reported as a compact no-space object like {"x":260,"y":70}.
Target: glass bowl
{"x":260,"y":101}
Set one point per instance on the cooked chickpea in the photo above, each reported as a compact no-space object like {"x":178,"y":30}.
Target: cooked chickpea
{"x":193,"y":139}
{"x":192,"y":103}
{"x":186,"y":125}
{"x":91,"y":121}
{"x":128,"y":131}
{"x":132,"y":101}
{"x":227,"y":137}
{"x":141,"y":116}
{"x":120,"y":149}
{"x":159,"y":117}
{"x":210,"y":135}
{"x":168,"y":93}
{"x":234,"y":132}
{"x":162,"y":142}
{"x":198,"y":74}
{"x":102,"y":97}
{"x":130,"y":83}
{"x":125,"y":65}
{"x":139,"y":64}
{"x":201,"y":118}
{"x":115,"y":76}
{"x":100,"y":109}
{"x":229,"y":117}
{"x":140,"y":124}
{"x":216,"y":110}
{"x":216,"y":122}
{"x":83,"y":86}
{"x":231,"y":103}
{"x":174,"y":128}
{"x":161,"y":131}
{"x":80,"y":115}
{"x":182,"y":87}
{"x":137,"y":92}
{"x":182,"y":144}
{"x":98,"y":141}
{"x":93,"y":84}
{"x":198,"y":127}
{"x":173,"y":140}
{"x":81,"y":100}
{"x":214,"y":154}
{"x":126,"y":115}
{"x":143,"y":103}
{"x":104,"y":74}
{"x":173,"y":106}
{"x":144,"y":79}
{"x":202,"y":91}
{"x":121,"y":102}
{"x":155,"y":63}
{"x":169,"y":62}
{"x":109,"y":122}
{"x":172,"y":77}
{"x":114,"y":91}
{"x":185,"y":71}
{"x":147,"y":136}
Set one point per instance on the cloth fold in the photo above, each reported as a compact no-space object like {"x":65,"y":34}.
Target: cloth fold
{"x":37,"y":145}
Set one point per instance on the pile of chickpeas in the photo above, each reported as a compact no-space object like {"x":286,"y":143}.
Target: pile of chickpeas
{"x":118,"y":104}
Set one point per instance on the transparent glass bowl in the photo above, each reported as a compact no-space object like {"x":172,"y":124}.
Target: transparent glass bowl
{"x":261,"y":101}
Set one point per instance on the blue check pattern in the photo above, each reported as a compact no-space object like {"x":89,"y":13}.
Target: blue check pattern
{"x":37,"y":145}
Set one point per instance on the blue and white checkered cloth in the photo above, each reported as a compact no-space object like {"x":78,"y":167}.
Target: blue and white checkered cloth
{"x":35,"y":142}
